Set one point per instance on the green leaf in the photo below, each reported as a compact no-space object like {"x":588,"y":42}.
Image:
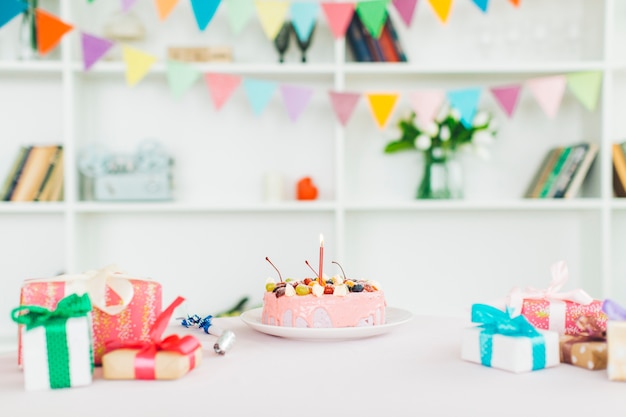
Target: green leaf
{"x":398,"y":146}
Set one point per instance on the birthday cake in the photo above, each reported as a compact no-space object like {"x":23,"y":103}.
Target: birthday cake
{"x":336,"y":302}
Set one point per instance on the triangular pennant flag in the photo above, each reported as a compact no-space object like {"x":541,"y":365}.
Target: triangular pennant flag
{"x":344,"y":105}
{"x":239,"y":13}
{"x":303,"y":18}
{"x":9,"y":9}
{"x":93,"y":48}
{"x":507,"y":97}
{"x":259,"y":93}
{"x":204,"y":10}
{"x":466,"y":102}
{"x":127,"y":4}
{"x":296,"y":98}
{"x":338,"y":16}
{"x":221,"y":87}
{"x":515,"y":3}
{"x":426,"y":104}
{"x":548,"y":91}
{"x":373,"y":14}
{"x":441,"y":8}
{"x":138,"y":64}
{"x":50,"y":30}
{"x":482,"y":4}
{"x":165,"y":7}
{"x":586,"y":87}
{"x":382,"y":105}
{"x":181,"y":76}
{"x":406,"y":10}
{"x":272,"y":14}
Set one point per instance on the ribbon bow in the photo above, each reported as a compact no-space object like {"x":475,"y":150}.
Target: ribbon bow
{"x":560,"y":276}
{"x":613,"y":310}
{"x":33,"y":316}
{"x":494,"y":321}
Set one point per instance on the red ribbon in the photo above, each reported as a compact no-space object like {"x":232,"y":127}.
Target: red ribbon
{"x":145,"y":359}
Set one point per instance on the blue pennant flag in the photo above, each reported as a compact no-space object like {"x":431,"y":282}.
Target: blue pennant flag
{"x":204,"y":10}
{"x":259,"y":93}
{"x":303,"y":18}
{"x":482,"y":4}
{"x":466,"y":102}
{"x":9,"y":9}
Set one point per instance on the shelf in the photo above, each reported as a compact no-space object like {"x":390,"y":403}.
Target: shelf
{"x":32,"y":67}
{"x":173,"y":207}
{"x":465,"y":205}
{"x":32,"y":208}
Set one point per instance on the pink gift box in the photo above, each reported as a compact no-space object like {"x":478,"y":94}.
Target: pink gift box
{"x":125,"y":307}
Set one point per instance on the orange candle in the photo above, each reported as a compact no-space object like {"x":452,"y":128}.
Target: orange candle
{"x":320,"y":279}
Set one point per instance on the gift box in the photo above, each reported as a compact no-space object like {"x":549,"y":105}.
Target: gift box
{"x":56,"y":344}
{"x":588,"y":348}
{"x":168,"y":358}
{"x":508,"y":343}
{"x":550,"y":309}
{"x":615,"y":340}
{"x":124,"y":307}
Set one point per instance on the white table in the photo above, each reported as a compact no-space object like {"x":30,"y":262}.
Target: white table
{"x":413,"y":370}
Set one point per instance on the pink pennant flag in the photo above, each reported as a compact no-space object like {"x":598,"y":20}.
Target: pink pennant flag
{"x":296,"y":98}
{"x":94,"y":48}
{"x":127,"y":5}
{"x":507,"y":97}
{"x":406,"y":9}
{"x":548,"y":91}
{"x":426,"y":104}
{"x":338,"y":16}
{"x":344,"y":105}
{"x":221,"y":87}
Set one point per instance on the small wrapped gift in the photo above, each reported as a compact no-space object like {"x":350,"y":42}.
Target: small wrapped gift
{"x":508,"y":343}
{"x":550,"y":309}
{"x":125,"y":307}
{"x":588,"y":348}
{"x":56,"y":345}
{"x":168,"y":358}
{"x":615,"y":340}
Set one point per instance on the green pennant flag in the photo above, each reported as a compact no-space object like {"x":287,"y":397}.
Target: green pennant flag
{"x":586,"y":87}
{"x":373,"y":15}
{"x":239,"y":13}
{"x":181,"y":77}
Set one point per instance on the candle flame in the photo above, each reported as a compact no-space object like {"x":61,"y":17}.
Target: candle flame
{"x":321,"y":240}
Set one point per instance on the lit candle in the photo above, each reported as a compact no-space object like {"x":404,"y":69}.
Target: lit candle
{"x":320,"y":279}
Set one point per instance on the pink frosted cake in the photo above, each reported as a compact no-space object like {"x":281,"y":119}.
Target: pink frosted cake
{"x":337,"y":303}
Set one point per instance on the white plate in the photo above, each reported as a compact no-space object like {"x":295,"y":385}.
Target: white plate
{"x":394,"y":317}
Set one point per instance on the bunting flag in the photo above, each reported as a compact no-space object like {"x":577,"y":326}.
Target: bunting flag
{"x":165,"y":7}
{"x":259,"y":93}
{"x":138,"y":64}
{"x":373,"y":14}
{"x":466,"y":102}
{"x":343,"y":105}
{"x":382,"y":106}
{"x":296,"y":99}
{"x":338,"y":16}
{"x":406,"y":10}
{"x":426,"y":104}
{"x":50,"y":30}
{"x":93,"y":48}
{"x":507,"y":97}
{"x":181,"y":76}
{"x":272,"y":14}
{"x":203,"y":11}
{"x":221,"y":87}
{"x":239,"y":13}
{"x":548,"y":91}
{"x":127,"y":5}
{"x":515,"y":3}
{"x":303,"y":18}
{"x":10,"y":9}
{"x":482,"y":4}
{"x":441,"y":9}
{"x":586,"y":87}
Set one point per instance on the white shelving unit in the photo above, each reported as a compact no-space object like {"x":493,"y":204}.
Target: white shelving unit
{"x":209,"y":244}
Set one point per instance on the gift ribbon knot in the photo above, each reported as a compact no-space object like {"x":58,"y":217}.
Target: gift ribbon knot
{"x":33,"y":316}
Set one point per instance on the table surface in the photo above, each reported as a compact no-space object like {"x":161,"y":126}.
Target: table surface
{"x":414,"y":369}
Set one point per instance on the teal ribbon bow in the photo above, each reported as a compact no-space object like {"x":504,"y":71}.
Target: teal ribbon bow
{"x":494,"y":321}
{"x":54,"y":322}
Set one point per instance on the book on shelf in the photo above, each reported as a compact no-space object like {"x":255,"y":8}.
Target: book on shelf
{"x":14,"y":173}
{"x":391,"y":29}
{"x":546,"y":166}
{"x":619,"y":170}
{"x":356,"y":42}
{"x":54,"y":175}
{"x":565,"y":176}
{"x":366,"y":48}
{"x":34,"y":172}
{"x":576,"y":182}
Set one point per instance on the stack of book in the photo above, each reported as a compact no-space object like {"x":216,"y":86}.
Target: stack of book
{"x":562,"y":171}
{"x":619,"y":169}
{"x":366,"y":48}
{"x":35,"y":175}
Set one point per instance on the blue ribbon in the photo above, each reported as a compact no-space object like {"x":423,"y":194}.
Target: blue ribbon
{"x":494,"y":321}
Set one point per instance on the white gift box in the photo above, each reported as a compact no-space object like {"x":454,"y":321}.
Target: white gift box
{"x":510,"y":353}
{"x":616,"y":350}
{"x":35,"y":355}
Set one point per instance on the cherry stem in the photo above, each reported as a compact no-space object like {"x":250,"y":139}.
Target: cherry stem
{"x":342,"y":271}
{"x":309,"y":265}
{"x":279,"y":276}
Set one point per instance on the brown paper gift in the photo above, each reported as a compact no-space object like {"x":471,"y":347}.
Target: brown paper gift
{"x":579,"y":351}
{"x":122,"y":364}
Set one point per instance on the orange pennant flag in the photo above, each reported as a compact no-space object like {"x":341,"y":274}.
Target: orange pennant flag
{"x":382,"y":106}
{"x":165,"y":7}
{"x":441,"y":8}
{"x":50,"y":30}
{"x":515,"y":2}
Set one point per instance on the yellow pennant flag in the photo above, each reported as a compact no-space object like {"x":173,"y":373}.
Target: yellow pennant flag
{"x":441,"y":8}
{"x":137,"y":64}
{"x":165,"y":7}
{"x":272,"y":14}
{"x":382,"y":106}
